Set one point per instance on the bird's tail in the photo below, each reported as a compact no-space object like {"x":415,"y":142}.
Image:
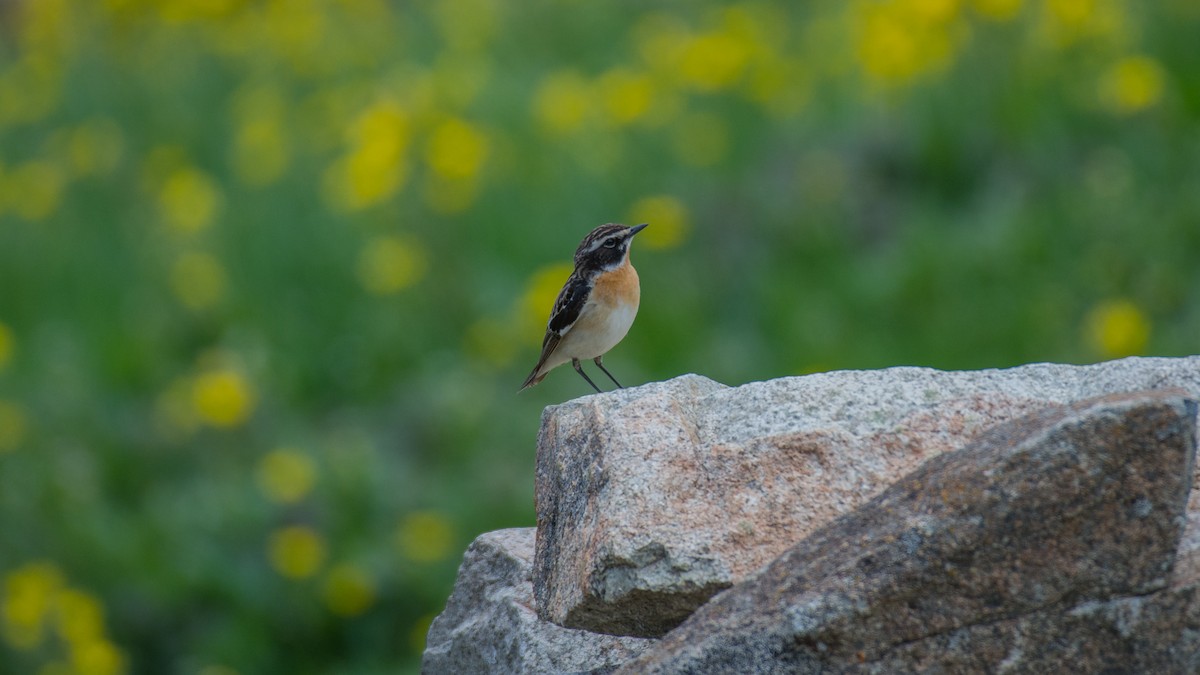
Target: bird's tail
{"x":534,"y":377}
{"x":543,"y":366}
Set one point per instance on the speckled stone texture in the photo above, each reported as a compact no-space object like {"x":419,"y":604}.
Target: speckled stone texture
{"x":489,"y":625}
{"x":1046,"y":545}
{"x":652,"y":499}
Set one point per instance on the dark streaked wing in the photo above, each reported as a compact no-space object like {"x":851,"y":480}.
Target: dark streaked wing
{"x":567,"y":307}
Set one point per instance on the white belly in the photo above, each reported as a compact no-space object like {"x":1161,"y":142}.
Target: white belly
{"x":597,"y":330}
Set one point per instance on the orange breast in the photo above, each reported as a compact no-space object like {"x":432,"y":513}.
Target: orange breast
{"x":618,"y":287}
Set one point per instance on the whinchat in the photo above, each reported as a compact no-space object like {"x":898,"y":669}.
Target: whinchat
{"x":595,"y":308}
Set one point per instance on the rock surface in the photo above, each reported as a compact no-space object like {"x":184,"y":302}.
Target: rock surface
{"x":651,"y":500}
{"x":489,"y":625}
{"x":1046,"y":545}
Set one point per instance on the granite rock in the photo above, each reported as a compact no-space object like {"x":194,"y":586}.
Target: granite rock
{"x":1045,"y":545}
{"x":489,"y":625}
{"x":651,"y":500}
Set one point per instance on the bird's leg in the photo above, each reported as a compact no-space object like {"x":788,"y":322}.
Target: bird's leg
{"x":601,"y":364}
{"x":578,"y":369}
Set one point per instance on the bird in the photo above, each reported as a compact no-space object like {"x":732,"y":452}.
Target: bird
{"x":595,"y":308}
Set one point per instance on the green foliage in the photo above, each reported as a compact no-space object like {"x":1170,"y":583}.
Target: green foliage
{"x":271,"y":272}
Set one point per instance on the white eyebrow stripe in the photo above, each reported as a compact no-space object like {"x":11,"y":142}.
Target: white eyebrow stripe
{"x":600,"y":242}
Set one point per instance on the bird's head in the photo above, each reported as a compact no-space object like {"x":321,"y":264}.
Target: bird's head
{"x":606,"y":247}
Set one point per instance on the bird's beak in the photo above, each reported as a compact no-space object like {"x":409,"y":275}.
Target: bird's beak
{"x":637,"y":228}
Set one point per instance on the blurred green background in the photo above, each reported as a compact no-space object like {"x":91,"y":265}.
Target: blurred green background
{"x":271,"y":272}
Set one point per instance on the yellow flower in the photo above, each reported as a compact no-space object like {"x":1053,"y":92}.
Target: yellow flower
{"x":45,"y":26}
{"x":668,"y":219}
{"x":389,"y":264}
{"x":1071,"y":12}
{"x":1063,"y":22}
{"x":562,"y":102}
{"x":887,"y":50}
{"x":932,"y":11}
{"x":466,"y":25}
{"x":294,"y":29}
{"x":189,"y":200}
{"x":286,"y":476}
{"x":456,"y":82}
{"x":700,"y":139}
{"x":95,"y":147}
{"x":79,"y":616}
{"x":626,"y":95}
{"x":374,"y":169}
{"x":349,"y":590}
{"x":1132,"y":84}
{"x":425,"y":536}
{"x":898,"y":41}
{"x":492,"y":341}
{"x":97,"y":657}
{"x":158,"y":163}
{"x":37,"y":593}
{"x":260,"y":148}
{"x":661,"y":40}
{"x":28,"y":595}
{"x":30,"y":89}
{"x":997,"y":10}
{"x":7,"y":345}
{"x":539,"y":296}
{"x":450,"y":196}
{"x":713,"y":61}
{"x":383,"y":130}
{"x":456,"y":149}
{"x":761,"y":28}
{"x":222,"y":398}
{"x":12,"y":426}
{"x":35,"y":189}
{"x":296,"y":552}
{"x":185,"y":11}
{"x":1117,"y":328}
{"x":174,"y":410}
{"x":782,"y":86}
{"x":418,"y":633}
{"x":198,"y":280}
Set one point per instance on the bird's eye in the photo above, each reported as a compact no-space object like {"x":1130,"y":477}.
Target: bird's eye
{"x":611,"y":243}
